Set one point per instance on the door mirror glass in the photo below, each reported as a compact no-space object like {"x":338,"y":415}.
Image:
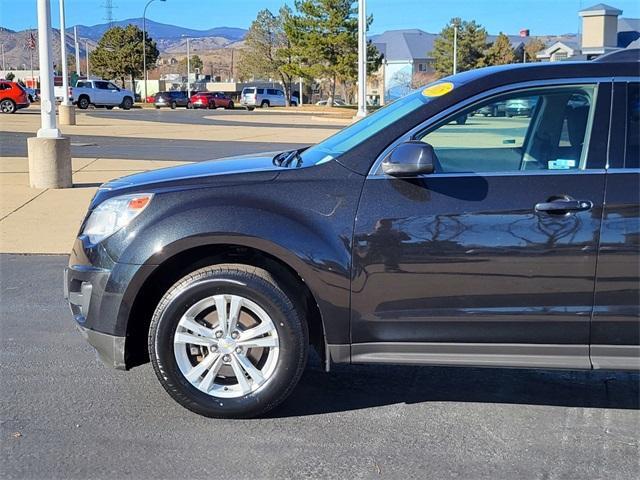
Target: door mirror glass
{"x":410,"y":159}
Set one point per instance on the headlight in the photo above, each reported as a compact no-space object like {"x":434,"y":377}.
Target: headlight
{"x":114,"y":214}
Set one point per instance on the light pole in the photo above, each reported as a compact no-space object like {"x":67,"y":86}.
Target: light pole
{"x":49,"y":153}
{"x":66,"y":110}
{"x":3,"y":66}
{"x":455,"y":48}
{"x":86,"y":52}
{"x":77,"y":48}
{"x":362,"y":59}
{"x":188,"y":66}
{"x":144,"y":47}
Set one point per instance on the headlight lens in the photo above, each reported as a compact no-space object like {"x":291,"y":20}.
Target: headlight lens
{"x":114,"y":214}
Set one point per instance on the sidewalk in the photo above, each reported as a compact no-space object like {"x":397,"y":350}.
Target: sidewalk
{"x":46,"y":221}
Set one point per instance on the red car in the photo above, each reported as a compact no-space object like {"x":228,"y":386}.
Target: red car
{"x":12,"y":97}
{"x":211,"y":100}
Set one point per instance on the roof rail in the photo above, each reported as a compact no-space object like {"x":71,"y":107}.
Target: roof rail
{"x":624,"y":55}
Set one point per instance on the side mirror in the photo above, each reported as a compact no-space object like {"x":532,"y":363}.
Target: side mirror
{"x":410,"y":159}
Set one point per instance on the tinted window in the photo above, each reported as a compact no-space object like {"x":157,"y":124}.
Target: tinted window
{"x":102,"y":85}
{"x":248,"y":91}
{"x":111,"y":86}
{"x":271,"y":91}
{"x":529,"y":130}
{"x":4,"y":86}
{"x":81,"y":84}
{"x":632,"y":154}
{"x":260,"y":91}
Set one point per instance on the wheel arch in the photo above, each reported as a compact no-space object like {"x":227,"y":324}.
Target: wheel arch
{"x":140,"y":304}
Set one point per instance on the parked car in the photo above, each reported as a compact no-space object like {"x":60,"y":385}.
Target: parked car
{"x":252,"y":97}
{"x":498,"y":109}
{"x":100,"y":93}
{"x":401,"y":239}
{"x":520,"y":107}
{"x":172,"y":99}
{"x":151,"y":99}
{"x":211,"y":100}
{"x":13,"y":97}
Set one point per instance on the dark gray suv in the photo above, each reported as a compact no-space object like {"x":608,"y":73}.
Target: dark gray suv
{"x":172,"y":99}
{"x":408,"y":237}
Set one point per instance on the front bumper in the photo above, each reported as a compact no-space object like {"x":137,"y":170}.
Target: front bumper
{"x":100,"y":293}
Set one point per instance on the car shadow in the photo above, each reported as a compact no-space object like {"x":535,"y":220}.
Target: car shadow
{"x":355,"y":387}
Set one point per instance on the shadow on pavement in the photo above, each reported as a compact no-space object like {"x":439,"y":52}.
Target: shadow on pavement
{"x":355,"y":387}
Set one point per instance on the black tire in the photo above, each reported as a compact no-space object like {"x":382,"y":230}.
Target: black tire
{"x":127,"y":103}
{"x":8,"y":106}
{"x":256,"y":285}
{"x":157,"y":107}
{"x":173,"y":105}
{"x":83,"y":102}
{"x":251,"y":109}
{"x":231,"y":106}
{"x":212,"y":105}
{"x":109,"y":107}
{"x":265,"y":104}
{"x":189,"y":106}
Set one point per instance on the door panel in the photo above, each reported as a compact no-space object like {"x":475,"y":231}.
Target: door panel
{"x":615,"y":335}
{"x":463,"y":257}
{"x":467,"y":259}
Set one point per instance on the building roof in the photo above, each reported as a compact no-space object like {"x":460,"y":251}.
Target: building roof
{"x":404,"y":45}
{"x":599,"y":9}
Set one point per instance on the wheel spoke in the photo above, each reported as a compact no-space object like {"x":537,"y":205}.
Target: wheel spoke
{"x":195,"y":327}
{"x":195,"y":373}
{"x":254,"y":373}
{"x":239,"y":373}
{"x":187,"y":338}
{"x":269,"y":342}
{"x":234,"y":313}
{"x":254,"y":332}
{"x":221,"y":310}
{"x":210,"y":377}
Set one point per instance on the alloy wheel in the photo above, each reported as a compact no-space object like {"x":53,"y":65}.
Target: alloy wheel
{"x":226,"y":346}
{"x":7,"y":106}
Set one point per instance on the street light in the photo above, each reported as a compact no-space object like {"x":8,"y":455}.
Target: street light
{"x":144,"y":47}
{"x":362,"y":59}
{"x":188,"y":67}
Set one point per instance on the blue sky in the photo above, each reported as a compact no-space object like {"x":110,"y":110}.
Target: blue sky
{"x":542,"y":17}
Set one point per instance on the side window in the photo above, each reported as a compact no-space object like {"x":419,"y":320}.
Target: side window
{"x":102,"y":85}
{"x":260,"y":91}
{"x":632,"y":150}
{"x":81,"y":84}
{"x":537,"y":129}
{"x":4,"y":86}
{"x":111,"y":86}
{"x":271,"y":91}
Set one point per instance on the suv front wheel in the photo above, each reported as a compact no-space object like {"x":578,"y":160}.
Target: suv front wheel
{"x":226,"y":341}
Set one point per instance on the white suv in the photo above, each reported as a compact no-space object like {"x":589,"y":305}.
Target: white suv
{"x":252,"y":97}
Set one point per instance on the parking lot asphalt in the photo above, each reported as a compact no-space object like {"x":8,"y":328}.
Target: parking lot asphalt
{"x":65,"y":415}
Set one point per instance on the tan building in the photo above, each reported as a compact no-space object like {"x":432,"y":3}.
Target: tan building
{"x":603,"y":31}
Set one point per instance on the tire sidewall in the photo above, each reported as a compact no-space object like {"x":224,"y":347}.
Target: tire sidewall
{"x":287,"y":324}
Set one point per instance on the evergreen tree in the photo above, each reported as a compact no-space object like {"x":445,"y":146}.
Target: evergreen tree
{"x":195,"y":62}
{"x":324,"y":40}
{"x":532,"y":48}
{"x":119,"y":53}
{"x":500,"y":52}
{"x":472,"y":42}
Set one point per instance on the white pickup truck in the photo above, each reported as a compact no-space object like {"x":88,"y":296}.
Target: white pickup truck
{"x":100,"y":93}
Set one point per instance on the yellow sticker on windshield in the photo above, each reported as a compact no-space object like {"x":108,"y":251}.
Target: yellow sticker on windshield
{"x":438,"y":89}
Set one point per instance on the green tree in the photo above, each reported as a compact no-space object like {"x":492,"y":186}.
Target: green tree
{"x":268,"y":53}
{"x":500,"y":52}
{"x":325,"y":42}
{"x":472,"y":42}
{"x":119,"y":53}
{"x":532,"y":48}
{"x":10,"y":76}
{"x":194,"y":62}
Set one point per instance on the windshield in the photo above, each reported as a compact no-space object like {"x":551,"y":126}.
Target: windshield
{"x":360,"y":131}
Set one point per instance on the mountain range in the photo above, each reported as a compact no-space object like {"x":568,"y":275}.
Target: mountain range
{"x":169,"y":38}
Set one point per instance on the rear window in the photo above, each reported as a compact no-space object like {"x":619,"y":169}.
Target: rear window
{"x":80,"y":84}
{"x":248,"y":91}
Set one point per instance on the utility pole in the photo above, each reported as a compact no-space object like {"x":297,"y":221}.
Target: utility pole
{"x":3,"y":64}
{"x":455,"y":48}
{"x":144,"y":47}
{"x":49,"y":153}
{"x":362,"y":59}
{"x":77,"y":48}
{"x":188,"y":70}
{"x":66,"y":110}
{"x":86,"y":52}
{"x":300,"y":100}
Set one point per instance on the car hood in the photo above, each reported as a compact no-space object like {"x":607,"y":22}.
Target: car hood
{"x":220,"y":172}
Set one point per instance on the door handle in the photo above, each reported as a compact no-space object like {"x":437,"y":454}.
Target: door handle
{"x":562,"y":206}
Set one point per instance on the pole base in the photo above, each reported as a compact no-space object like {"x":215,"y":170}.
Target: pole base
{"x":67,"y":114}
{"x":49,"y":162}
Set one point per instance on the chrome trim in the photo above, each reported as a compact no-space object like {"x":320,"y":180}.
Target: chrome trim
{"x":510,"y":173}
{"x":623,"y":170}
{"x":619,"y":357}
{"x":376,"y":167}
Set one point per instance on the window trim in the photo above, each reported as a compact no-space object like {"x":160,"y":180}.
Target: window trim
{"x":597,"y":82}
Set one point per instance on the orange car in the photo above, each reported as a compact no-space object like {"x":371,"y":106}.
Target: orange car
{"x":12,"y":97}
